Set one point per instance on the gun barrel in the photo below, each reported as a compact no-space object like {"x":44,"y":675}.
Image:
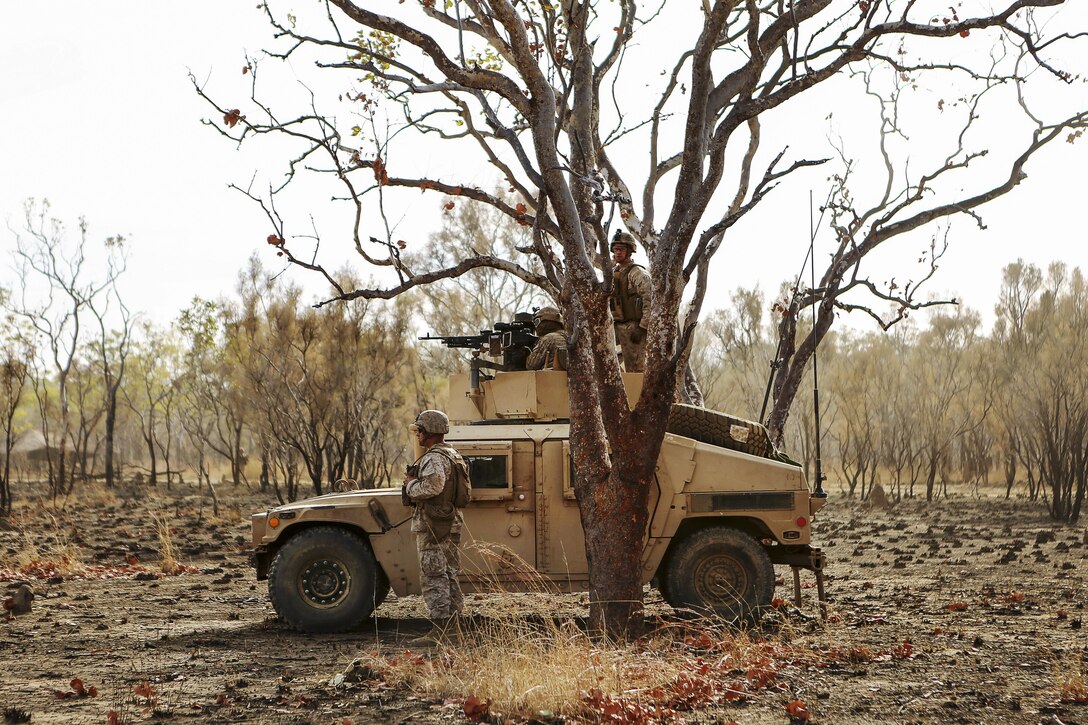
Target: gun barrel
{"x":469,"y":342}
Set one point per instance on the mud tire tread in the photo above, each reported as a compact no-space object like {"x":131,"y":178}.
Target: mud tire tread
{"x":369,"y":584}
{"x":710,"y":426}
{"x":689,"y":557}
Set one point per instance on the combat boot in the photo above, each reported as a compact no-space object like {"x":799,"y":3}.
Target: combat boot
{"x":443,"y":631}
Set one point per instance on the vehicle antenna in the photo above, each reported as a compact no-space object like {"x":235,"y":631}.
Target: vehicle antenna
{"x":777,"y":361}
{"x":815,"y":368}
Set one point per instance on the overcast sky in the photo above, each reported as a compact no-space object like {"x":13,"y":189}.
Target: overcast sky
{"x":101,"y":118}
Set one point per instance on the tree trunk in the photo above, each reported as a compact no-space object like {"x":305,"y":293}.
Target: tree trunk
{"x":154,"y":473}
{"x":236,"y":460}
{"x":613,"y":490}
{"x":615,"y":526}
{"x":111,"y":421}
{"x":931,"y":474}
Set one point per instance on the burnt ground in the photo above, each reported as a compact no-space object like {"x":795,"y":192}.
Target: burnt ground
{"x":963,"y":611}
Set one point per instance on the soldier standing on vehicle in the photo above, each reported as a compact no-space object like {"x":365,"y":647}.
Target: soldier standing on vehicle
{"x":431,"y":486}
{"x":630,"y":302}
{"x":547,"y":353}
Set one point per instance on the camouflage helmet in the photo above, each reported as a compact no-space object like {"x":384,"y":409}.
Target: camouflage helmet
{"x":625,"y":239}
{"x":547,"y":314}
{"x":432,"y":421}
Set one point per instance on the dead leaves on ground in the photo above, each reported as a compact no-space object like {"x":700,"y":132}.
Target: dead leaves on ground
{"x":78,"y":690}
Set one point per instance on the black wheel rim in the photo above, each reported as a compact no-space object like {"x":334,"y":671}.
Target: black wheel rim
{"x":324,"y":583}
{"x":720,"y":580}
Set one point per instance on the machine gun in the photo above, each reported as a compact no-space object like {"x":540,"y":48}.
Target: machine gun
{"x":510,"y":340}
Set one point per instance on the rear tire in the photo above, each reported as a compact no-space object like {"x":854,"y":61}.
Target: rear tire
{"x":325,"y":579}
{"x":720,"y":571}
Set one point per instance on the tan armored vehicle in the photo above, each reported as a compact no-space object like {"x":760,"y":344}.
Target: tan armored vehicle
{"x":726,"y":508}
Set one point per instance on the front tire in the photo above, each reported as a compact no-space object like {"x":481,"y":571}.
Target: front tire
{"x":720,"y":571}
{"x":325,"y":579}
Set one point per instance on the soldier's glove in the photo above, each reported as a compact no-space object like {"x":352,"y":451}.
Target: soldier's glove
{"x":638,"y":335}
{"x":404,"y":499}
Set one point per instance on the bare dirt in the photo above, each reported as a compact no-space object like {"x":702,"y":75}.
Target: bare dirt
{"x":964,"y":611}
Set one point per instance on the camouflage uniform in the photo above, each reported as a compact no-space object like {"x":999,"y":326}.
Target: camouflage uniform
{"x":630,"y":298}
{"x":543,"y":356}
{"x":439,"y":553}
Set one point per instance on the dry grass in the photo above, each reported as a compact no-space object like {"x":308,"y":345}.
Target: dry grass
{"x":555,"y":668}
{"x":1072,"y":683}
{"x":229,"y":514}
{"x":95,"y":495}
{"x":533,"y":665}
{"x":167,"y":550}
{"x":55,"y":551}
{"x":540,"y":664}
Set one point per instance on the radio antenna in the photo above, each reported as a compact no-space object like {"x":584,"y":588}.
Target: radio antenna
{"x":777,"y":361}
{"x":815,"y":368}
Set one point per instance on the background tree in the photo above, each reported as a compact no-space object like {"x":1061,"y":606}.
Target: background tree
{"x":113,"y":348}
{"x":940,"y":370}
{"x":1011,"y":347}
{"x":1054,"y":392}
{"x":149,"y":392}
{"x":327,"y":383}
{"x":531,"y":86}
{"x":13,"y":376}
{"x":56,"y":290}
{"x":730,"y":355}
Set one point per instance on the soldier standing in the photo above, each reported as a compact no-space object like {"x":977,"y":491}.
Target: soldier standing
{"x":552,"y":339}
{"x":429,"y":486}
{"x":630,"y":300}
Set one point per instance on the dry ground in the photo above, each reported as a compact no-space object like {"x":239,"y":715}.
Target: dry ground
{"x":964,"y":611}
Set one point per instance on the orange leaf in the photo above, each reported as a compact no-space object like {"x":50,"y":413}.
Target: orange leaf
{"x":798,"y":711}
{"x":957,"y":607}
{"x":275,"y":242}
{"x":233,"y":117}
{"x":113,"y":718}
{"x":520,"y":208}
{"x":77,"y":685}
{"x":475,"y":709}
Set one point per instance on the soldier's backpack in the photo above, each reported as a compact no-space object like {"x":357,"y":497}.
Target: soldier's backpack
{"x":462,"y":481}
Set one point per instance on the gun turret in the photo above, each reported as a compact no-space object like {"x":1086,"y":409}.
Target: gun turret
{"x":511,"y":340}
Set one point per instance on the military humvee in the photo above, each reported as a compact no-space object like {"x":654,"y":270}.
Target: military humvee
{"x":726,"y":508}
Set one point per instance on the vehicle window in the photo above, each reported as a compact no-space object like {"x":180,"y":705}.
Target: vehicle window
{"x":488,"y":471}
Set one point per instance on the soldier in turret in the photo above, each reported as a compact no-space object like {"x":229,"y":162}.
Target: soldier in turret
{"x":630,"y":302}
{"x":549,"y":351}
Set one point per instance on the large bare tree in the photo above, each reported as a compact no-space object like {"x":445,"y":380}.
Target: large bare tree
{"x":589,"y":139}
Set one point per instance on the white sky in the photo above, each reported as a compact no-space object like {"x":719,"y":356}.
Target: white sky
{"x":100,"y":118}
